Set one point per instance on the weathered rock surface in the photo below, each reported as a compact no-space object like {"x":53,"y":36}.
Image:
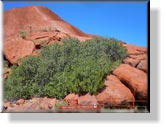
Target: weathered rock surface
{"x":20,"y":101}
{"x":34,"y":18}
{"x":131,"y":61}
{"x":46,"y":37}
{"x":71,"y":99}
{"x":133,"y":78}
{"x":17,"y":48}
{"x":80,"y":108}
{"x":32,"y":105}
{"x":39,"y":26}
{"x":139,"y":56}
{"x":134,"y":50}
{"x":6,"y":105}
{"x":115,"y":94}
{"x":87,"y":100}
{"x":142,"y":65}
{"x":85,"y":103}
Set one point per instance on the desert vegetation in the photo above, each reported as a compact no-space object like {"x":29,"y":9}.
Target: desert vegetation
{"x":60,"y":69}
{"x":22,"y":34}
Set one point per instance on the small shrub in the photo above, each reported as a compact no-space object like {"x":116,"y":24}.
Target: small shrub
{"x":22,"y":34}
{"x":30,"y":29}
{"x":5,"y":63}
{"x":58,"y":104}
{"x":71,"y":67}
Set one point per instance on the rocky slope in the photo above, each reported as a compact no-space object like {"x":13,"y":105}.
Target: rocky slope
{"x":34,"y":25}
{"x":124,"y":88}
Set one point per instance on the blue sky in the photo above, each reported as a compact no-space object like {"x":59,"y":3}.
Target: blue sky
{"x":126,"y":22}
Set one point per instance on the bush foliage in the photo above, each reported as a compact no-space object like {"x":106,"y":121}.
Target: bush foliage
{"x":22,"y":34}
{"x":60,"y":69}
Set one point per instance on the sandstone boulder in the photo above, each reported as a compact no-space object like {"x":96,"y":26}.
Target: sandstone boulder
{"x":87,"y":100}
{"x":71,"y":99}
{"x":115,"y":94}
{"x":142,"y":65}
{"x":134,"y":50}
{"x":131,"y":61}
{"x":6,"y":105}
{"x":17,"y":48}
{"x":33,"y":105}
{"x":20,"y":101}
{"x":133,"y":78}
{"x":139,"y":57}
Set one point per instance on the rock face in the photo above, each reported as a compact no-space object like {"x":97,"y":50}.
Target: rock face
{"x":20,"y":101}
{"x":34,"y":25}
{"x":32,"y":105}
{"x":47,"y":37}
{"x":6,"y":105}
{"x":83,"y":103}
{"x":135,"y":79}
{"x":17,"y":48}
{"x":37,"y":18}
{"x":134,"y":50}
{"x":71,"y":99}
{"x":142,"y":65}
{"x":131,"y":61}
{"x":87,"y":100}
{"x":132,"y":73}
{"x":116,"y":94}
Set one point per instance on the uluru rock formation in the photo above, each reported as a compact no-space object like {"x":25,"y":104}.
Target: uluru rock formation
{"x":36,"y":24}
{"x":125,"y":87}
{"x":36,"y":17}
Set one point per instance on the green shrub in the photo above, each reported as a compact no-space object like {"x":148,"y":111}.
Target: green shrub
{"x":72,"y":67}
{"x":5,"y":63}
{"x":58,"y":104}
{"x":22,"y":34}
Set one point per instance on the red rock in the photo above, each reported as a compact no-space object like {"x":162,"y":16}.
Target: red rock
{"x":6,"y":105}
{"x":46,"y":103}
{"x":20,"y":101}
{"x":142,"y":65}
{"x":115,"y":94}
{"x":34,"y":18}
{"x":87,"y":100}
{"x":50,"y":35}
{"x":132,"y":49}
{"x":131,"y":61}
{"x":40,"y":35}
{"x":134,"y":78}
{"x":17,"y":48}
{"x":71,"y":99}
{"x":139,"y":57}
{"x":78,"y":108}
{"x":61,"y":35}
{"x":34,"y":105}
{"x":113,"y":78}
